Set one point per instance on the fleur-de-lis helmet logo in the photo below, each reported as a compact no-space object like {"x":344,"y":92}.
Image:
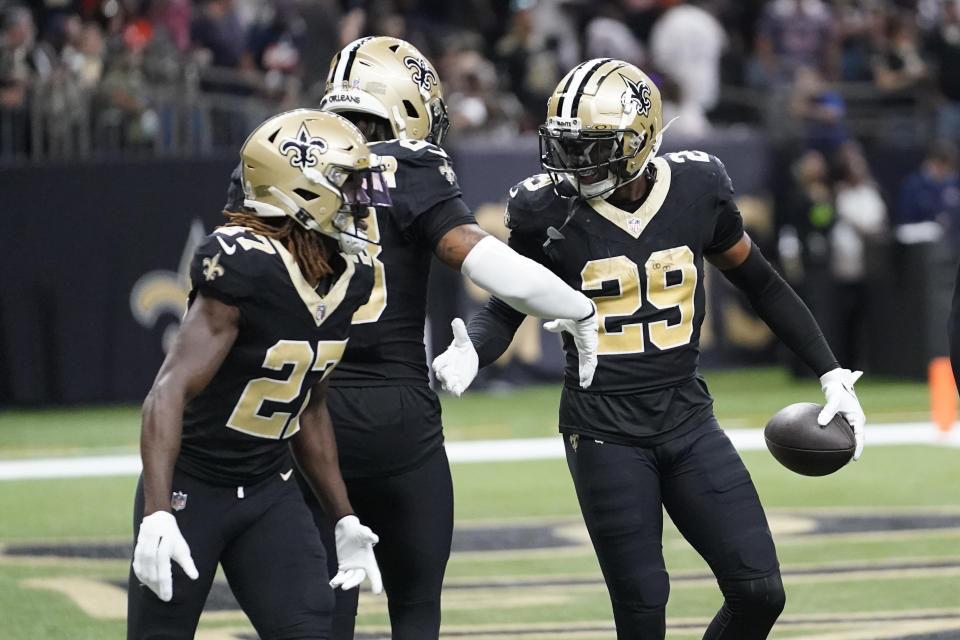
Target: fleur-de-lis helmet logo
{"x":637,"y":93}
{"x":422,"y":75}
{"x":304,"y":147}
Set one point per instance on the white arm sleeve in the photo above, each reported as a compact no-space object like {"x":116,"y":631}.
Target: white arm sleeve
{"x":525,"y":285}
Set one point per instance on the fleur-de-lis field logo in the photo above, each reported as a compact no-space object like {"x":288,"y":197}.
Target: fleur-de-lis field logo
{"x":303,"y":147}
{"x":212,"y":268}
{"x":637,"y":93}
{"x":423,"y":75}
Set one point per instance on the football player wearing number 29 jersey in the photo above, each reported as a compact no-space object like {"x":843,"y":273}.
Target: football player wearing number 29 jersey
{"x":385,"y":416}
{"x":272,"y":299}
{"x":631,"y":230}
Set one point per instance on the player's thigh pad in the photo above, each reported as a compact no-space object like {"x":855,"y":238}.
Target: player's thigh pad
{"x":412,"y":512}
{"x":711,"y":498}
{"x":618,"y":487}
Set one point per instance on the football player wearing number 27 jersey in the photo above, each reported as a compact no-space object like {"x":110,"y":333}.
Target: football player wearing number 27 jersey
{"x":631,"y":230}
{"x":272,"y":299}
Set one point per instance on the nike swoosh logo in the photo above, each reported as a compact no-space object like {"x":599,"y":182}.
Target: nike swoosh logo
{"x":286,"y":476}
{"x":229,"y":248}
{"x":514,"y":191}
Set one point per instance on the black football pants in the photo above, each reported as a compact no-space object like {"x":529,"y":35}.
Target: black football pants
{"x":412,"y":513}
{"x":270,"y":552}
{"x":702,"y":482}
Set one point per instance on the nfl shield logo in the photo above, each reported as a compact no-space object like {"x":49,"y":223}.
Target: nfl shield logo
{"x":634,"y":225}
{"x":178,"y":500}
{"x":321,"y":312}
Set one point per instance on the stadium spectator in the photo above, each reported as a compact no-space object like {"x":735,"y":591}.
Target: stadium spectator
{"x":90,"y":56}
{"x":529,"y":64}
{"x":174,"y":16}
{"x":122,"y":115}
{"x":217,"y":35}
{"x":860,"y":29}
{"x":930,"y":199}
{"x":17,"y":37}
{"x":804,"y":245}
{"x":685,"y":45}
{"x":608,"y":36}
{"x":861,"y":219}
{"x":898,"y":65}
{"x":321,"y":19}
{"x":793,"y":34}
{"x":821,"y":109}
{"x":275,"y":46}
{"x":944,"y":46}
{"x":476,"y":107}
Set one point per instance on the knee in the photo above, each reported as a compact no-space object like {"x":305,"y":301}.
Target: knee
{"x":756,"y":599}
{"x":640,"y":590}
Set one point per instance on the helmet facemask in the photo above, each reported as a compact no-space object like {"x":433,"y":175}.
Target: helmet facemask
{"x":358,"y":190}
{"x":592,"y":161}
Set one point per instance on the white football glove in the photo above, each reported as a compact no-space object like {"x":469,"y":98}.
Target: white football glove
{"x":837,"y":386}
{"x":456,"y":367}
{"x":159,"y":542}
{"x":355,"y":559}
{"x":584,"y":334}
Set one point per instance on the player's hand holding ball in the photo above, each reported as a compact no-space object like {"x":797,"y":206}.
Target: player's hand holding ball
{"x":837,"y":387}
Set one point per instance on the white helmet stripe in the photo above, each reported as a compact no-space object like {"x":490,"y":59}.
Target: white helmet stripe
{"x":576,"y":85}
{"x":345,"y":63}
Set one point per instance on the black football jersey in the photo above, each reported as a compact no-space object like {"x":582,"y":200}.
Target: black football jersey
{"x":644,"y":270}
{"x":386,"y":342}
{"x":290,"y":337}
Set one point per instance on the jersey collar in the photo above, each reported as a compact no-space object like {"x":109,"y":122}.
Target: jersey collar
{"x":635,"y":222}
{"x":320,"y":307}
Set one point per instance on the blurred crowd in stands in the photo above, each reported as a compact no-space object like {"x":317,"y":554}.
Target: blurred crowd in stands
{"x":133,"y":65}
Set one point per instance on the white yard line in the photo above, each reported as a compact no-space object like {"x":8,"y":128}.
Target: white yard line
{"x":466,"y":452}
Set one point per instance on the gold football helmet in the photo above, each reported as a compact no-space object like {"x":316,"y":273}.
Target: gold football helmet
{"x":391,"y":80}
{"x":604,"y":123}
{"x":314,"y":167}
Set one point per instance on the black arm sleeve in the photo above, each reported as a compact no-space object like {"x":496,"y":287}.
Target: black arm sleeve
{"x":430,"y":227}
{"x":953,"y":332}
{"x":492,"y":329}
{"x":783,"y":311}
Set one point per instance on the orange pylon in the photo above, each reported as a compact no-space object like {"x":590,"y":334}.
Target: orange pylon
{"x":943,"y":393}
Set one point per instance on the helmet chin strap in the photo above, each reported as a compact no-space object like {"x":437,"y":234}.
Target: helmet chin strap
{"x":400,"y":124}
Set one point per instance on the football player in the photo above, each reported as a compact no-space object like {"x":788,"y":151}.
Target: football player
{"x":244,"y":386}
{"x":631,"y":230}
{"x":386,"y":417}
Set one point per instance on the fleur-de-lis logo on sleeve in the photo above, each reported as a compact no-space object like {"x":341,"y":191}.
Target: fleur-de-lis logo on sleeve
{"x":304,"y":148}
{"x":422,"y":75}
{"x":638,"y":94}
{"x":212,"y":268}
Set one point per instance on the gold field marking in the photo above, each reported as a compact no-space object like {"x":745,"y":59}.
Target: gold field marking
{"x":97,"y":599}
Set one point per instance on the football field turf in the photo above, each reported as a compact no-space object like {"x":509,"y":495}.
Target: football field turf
{"x":870,"y":553}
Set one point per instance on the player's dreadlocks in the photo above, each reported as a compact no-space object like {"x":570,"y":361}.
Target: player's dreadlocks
{"x":308,"y":248}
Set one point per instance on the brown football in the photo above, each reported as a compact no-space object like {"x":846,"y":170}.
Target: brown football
{"x":803,"y":446}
